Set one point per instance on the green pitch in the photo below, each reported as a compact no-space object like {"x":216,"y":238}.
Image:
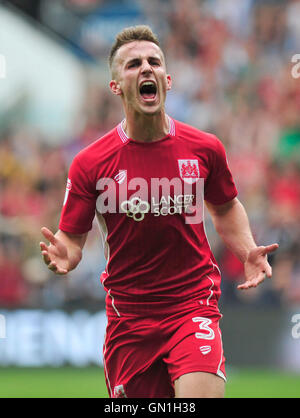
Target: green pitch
{"x":70,"y":382}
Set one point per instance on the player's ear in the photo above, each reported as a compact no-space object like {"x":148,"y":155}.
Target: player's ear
{"x":115,"y":87}
{"x":169,"y":82}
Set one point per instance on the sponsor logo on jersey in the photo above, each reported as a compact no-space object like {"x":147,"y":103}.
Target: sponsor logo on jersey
{"x":189,"y":170}
{"x":135,"y":208}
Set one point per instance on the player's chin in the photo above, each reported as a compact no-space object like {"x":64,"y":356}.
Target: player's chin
{"x":151,"y":112}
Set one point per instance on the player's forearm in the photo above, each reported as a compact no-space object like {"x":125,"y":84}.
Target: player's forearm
{"x":232,"y":224}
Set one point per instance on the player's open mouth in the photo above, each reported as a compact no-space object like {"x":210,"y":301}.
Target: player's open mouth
{"x":148,"y":90}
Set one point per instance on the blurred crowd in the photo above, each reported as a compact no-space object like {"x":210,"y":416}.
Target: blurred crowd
{"x":232,"y":70}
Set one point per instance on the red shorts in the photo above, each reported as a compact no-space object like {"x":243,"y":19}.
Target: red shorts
{"x":144,"y":356}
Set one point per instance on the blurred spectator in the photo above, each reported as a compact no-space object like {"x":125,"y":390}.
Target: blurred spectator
{"x":13,"y":289}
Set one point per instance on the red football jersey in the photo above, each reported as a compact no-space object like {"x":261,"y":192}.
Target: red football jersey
{"x":148,"y":198}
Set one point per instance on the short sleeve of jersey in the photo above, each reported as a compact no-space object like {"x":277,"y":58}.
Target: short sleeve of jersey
{"x":80,"y":201}
{"x":219,"y":186}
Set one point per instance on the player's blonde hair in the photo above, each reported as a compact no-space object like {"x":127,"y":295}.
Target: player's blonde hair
{"x":131,"y":34}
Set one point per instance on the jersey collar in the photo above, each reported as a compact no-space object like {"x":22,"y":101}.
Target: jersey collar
{"x":124,"y":138}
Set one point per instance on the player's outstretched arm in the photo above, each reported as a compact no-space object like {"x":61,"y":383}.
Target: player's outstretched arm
{"x":232,"y":224}
{"x":64,"y":251}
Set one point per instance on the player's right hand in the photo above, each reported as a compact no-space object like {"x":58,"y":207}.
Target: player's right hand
{"x":55,"y":254}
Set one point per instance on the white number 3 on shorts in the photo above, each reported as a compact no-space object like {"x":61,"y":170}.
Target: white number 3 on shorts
{"x":204,"y":326}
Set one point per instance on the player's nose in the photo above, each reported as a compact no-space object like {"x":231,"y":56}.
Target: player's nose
{"x":146,"y":67}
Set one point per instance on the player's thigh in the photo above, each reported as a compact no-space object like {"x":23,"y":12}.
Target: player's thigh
{"x":132,"y":362}
{"x":154,"y":382}
{"x":197,"y":346}
{"x":130,"y":375}
{"x":199,"y":385}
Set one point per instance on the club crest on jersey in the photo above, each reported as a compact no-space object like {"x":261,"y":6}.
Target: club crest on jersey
{"x":189,"y":170}
{"x":119,"y":392}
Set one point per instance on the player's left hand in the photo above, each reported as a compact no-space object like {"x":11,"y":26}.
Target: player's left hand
{"x":256,"y":266}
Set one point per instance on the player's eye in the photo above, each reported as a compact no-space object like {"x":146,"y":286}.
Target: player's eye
{"x":133,"y":64}
{"x":154,"y":62}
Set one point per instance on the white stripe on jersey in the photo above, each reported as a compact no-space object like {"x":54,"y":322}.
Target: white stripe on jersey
{"x":104,"y":234}
{"x":210,"y":289}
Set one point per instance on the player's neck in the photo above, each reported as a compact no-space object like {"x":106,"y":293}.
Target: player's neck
{"x":146,"y":128}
